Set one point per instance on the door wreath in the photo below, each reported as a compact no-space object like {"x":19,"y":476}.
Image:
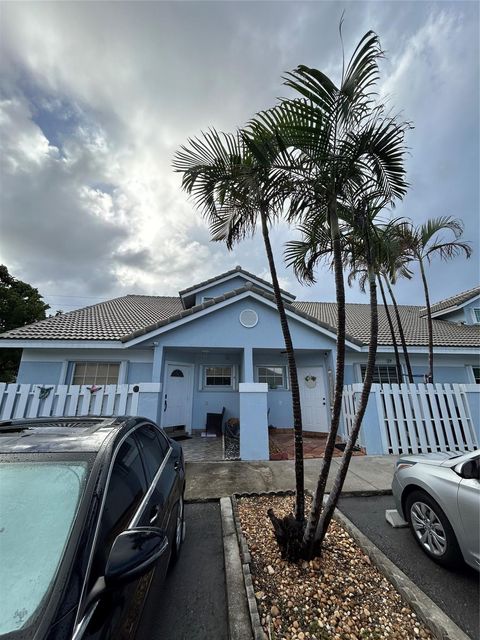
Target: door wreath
{"x":310,"y":381}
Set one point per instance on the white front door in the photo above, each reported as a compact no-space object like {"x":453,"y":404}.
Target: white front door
{"x":313,"y":398}
{"x":177,"y":396}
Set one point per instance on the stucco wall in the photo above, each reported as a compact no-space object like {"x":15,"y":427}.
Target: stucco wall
{"x":452,"y":367}
{"x":54,"y":366}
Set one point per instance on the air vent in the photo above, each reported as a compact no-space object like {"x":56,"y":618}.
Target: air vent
{"x":248,"y":318}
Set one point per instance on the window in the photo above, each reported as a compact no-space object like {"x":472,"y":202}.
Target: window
{"x":476,"y":374}
{"x":383,"y":374}
{"x":100,"y":373}
{"x":275,"y":377}
{"x":177,"y":373}
{"x":152,"y":451}
{"x":476,"y":315}
{"x":218,"y":377}
{"x":125,"y":492}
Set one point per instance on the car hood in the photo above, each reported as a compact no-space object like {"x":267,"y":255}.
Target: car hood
{"x":435,"y":459}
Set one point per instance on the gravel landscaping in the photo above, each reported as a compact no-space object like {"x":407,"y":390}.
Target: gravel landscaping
{"x":340,"y":596}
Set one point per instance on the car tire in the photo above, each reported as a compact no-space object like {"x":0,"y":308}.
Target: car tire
{"x":431,"y":529}
{"x":179,"y":533}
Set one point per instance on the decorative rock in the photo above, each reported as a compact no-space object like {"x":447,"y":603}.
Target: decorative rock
{"x":270,"y":570}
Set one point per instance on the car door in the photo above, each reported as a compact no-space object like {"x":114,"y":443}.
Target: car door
{"x":469,"y":508}
{"x":116,"y":613}
{"x":156,"y":452}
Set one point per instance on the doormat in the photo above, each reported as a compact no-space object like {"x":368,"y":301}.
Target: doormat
{"x":178,"y":438}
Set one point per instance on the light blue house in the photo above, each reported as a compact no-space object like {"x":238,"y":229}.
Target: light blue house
{"x":219,"y":342}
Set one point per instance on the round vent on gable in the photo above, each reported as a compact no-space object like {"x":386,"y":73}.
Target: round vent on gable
{"x":248,"y":318}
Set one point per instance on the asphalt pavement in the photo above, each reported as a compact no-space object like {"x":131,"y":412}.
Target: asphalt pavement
{"x":191,"y":605}
{"x":456,"y":592}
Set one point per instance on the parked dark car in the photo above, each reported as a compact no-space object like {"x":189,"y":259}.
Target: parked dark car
{"x":90,"y":508}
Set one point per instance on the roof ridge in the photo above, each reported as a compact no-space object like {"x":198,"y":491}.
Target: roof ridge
{"x":231,"y":272}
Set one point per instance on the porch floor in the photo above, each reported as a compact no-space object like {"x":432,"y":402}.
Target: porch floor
{"x":282,"y":447}
{"x":198,"y":449}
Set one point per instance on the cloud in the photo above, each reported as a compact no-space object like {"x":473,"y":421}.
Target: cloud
{"x":96,"y":98}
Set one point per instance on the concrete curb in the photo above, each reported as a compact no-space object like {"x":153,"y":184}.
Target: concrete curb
{"x":239,"y":627}
{"x":438,"y":622}
{"x":427,"y":611}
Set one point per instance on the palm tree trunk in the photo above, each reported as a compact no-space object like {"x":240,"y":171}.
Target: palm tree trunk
{"x":292,"y":367}
{"x":392,"y":331}
{"x":429,"y":323}
{"x":334,"y":495}
{"x":400,"y":331}
{"x":317,"y":502}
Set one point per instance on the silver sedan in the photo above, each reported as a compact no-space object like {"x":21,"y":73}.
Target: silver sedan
{"x":438,"y":494}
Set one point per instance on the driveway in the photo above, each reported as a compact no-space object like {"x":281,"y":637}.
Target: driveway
{"x":191,"y":605}
{"x":455,"y":592}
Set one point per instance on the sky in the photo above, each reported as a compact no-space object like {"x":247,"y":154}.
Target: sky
{"x":96,"y":97}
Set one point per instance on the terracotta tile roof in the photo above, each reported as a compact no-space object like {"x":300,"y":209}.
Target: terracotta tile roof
{"x":123,"y":319}
{"x":454,"y":301}
{"x":445,"y":334}
{"x":237,"y":271}
{"x":108,"y":320}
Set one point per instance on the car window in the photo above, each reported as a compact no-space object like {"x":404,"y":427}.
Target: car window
{"x":152,"y":450}
{"x":125,"y":492}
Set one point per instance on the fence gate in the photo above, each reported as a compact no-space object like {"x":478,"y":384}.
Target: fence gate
{"x":418,"y":418}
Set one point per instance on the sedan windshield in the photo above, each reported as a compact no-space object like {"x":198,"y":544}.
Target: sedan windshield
{"x":38,"y":504}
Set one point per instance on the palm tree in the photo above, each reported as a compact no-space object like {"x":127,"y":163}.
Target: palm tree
{"x":341,"y":138}
{"x":233,"y":181}
{"x":388,"y":270}
{"x":423,"y":243}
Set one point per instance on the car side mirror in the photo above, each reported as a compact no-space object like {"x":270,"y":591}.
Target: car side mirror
{"x":469,"y":470}
{"x":133,"y":553}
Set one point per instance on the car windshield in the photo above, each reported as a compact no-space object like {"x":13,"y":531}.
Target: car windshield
{"x":38,"y":504}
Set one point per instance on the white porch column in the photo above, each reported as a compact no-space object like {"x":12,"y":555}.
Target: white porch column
{"x":247,"y":364}
{"x":253,"y":421}
{"x":157,"y":363}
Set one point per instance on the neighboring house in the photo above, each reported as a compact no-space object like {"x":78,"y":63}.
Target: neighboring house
{"x":226,"y":331}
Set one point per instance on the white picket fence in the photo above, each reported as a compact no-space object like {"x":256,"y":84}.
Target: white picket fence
{"x":36,"y":400}
{"x":417,"y":418}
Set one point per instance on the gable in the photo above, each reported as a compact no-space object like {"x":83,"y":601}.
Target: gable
{"x":220,"y":324}
{"x":224,"y":283}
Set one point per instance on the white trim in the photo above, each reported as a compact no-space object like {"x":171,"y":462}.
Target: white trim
{"x":436,"y":350}
{"x":242,"y":322}
{"x":253,"y":387}
{"x":190,"y":365}
{"x":226,"y":303}
{"x":470,"y":374}
{"x":123,"y":372}
{"x":202,"y":378}
{"x":237,"y":274}
{"x":62,"y":344}
{"x":455,"y":307}
{"x":63,"y":373}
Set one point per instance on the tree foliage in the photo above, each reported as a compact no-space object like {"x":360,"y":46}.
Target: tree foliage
{"x":20,"y":304}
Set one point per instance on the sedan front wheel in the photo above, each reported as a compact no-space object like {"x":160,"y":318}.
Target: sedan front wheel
{"x":431,"y":529}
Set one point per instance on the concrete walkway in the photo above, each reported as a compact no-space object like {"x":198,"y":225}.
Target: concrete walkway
{"x":213,"y":480}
